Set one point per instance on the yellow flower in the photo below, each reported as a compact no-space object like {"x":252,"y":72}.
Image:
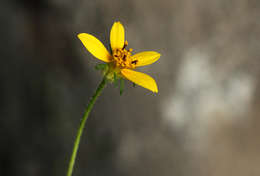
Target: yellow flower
{"x":121,"y":62}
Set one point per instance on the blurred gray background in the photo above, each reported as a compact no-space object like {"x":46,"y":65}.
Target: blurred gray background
{"x":204,"y":120}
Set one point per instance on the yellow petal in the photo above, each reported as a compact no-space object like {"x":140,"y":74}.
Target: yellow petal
{"x":141,"y":79}
{"x":95,"y":47}
{"x":146,"y":58}
{"x":117,"y":36}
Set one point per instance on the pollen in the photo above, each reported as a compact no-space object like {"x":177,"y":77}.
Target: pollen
{"x":123,"y":59}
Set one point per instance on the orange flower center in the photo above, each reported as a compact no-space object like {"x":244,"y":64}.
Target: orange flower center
{"x":123,"y":58}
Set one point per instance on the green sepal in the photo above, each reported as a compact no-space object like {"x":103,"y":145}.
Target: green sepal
{"x":101,"y":66}
{"x":115,"y":80}
{"x":122,"y":85}
{"x":134,"y":85}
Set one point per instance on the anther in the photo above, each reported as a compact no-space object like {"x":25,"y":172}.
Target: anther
{"x":125,"y":44}
{"x":134,"y":62}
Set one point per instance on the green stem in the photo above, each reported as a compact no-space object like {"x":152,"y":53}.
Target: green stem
{"x":82,"y":125}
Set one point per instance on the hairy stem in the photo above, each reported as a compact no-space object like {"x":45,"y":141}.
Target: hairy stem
{"x":82,"y":125}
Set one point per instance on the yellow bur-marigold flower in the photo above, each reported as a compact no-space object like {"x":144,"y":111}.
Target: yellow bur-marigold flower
{"x":121,"y":61}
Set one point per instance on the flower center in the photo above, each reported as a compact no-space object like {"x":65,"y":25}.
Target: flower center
{"x":123,"y":58}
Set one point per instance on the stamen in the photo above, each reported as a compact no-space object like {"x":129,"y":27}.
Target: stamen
{"x":123,"y":59}
{"x":134,"y":62}
{"x":125,"y":44}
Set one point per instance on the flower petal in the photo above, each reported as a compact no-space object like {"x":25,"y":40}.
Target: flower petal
{"x":141,"y":79}
{"x":146,"y":58}
{"x":117,"y":36}
{"x":95,"y":47}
